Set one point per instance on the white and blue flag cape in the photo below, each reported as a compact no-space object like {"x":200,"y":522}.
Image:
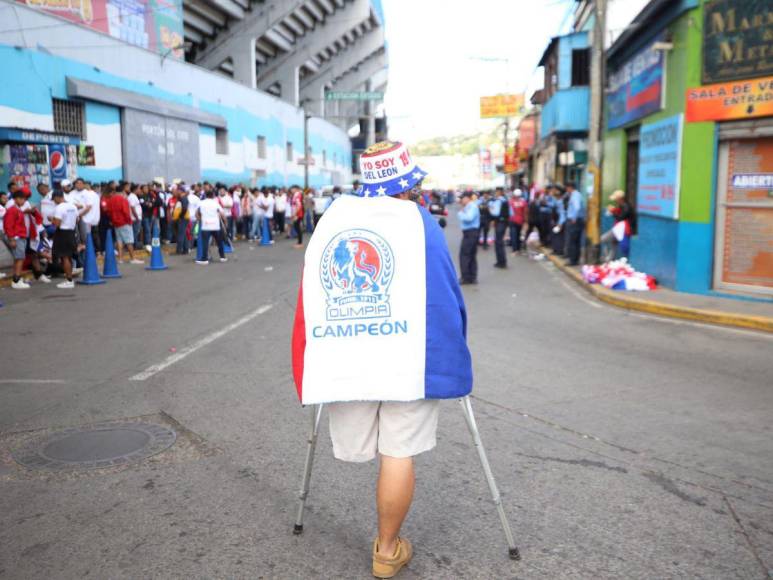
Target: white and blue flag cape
{"x":380,"y":316}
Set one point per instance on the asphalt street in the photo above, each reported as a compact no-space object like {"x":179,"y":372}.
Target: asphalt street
{"x":625,"y":446}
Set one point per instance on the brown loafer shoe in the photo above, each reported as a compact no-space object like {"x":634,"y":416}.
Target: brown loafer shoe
{"x":384,"y":567}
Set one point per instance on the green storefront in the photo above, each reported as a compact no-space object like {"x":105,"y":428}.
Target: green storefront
{"x":695,"y":160}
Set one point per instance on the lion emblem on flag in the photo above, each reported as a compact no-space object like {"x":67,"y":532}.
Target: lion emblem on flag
{"x":356,"y":269}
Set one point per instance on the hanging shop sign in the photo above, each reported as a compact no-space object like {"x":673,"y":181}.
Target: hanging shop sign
{"x":23,"y":136}
{"x":737,"y":100}
{"x":152,"y":24}
{"x":511,"y":161}
{"x":484,"y":156}
{"x":527,"y":133}
{"x":659,"y":168}
{"x":636,"y":88}
{"x":737,"y":40}
{"x":501,"y":106}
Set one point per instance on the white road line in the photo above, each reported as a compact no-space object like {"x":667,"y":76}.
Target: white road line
{"x":202,"y":342}
{"x":30,"y":381}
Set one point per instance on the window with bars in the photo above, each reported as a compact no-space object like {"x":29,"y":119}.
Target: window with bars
{"x":69,"y":117}
{"x":289,"y":149}
{"x":261,"y":147}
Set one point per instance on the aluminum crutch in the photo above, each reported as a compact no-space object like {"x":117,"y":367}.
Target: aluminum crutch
{"x":316,"y":415}
{"x":473,"y":427}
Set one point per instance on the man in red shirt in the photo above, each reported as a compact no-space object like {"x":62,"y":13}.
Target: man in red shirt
{"x":121,"y":218}
{"x":20,"y":225}
{"x":518,"y":208}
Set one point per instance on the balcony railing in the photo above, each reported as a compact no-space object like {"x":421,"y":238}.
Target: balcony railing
{"x":566,"y":112}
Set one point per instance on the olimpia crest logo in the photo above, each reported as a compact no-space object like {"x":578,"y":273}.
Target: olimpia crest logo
{"x":356,"y":270}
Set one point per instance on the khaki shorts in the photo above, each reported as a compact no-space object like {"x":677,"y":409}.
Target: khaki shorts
{"x":397,"y":429}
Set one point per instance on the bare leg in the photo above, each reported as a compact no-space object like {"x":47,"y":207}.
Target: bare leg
{"x":394,"y":493}
{"x":67,"y":267}
{"x":120,"y":252}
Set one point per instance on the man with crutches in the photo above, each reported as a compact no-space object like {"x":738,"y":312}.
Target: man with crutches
{"x":379,"y":338}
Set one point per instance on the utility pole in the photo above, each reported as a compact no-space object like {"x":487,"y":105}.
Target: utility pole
{"x":504,"y":155}
{"x":306,"y":118}
{"x":597,"y":94}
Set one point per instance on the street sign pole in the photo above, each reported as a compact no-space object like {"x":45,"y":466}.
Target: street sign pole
{"x":305,"y":149}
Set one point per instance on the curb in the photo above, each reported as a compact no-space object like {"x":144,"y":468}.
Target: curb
{"x":716,"y":317}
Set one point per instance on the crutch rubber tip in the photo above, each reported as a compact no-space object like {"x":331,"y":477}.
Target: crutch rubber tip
{"x":298,"y":530}
{"x":515,"y":554}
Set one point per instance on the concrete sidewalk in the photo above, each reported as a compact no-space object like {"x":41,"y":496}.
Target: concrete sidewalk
{"x":748,"y":314}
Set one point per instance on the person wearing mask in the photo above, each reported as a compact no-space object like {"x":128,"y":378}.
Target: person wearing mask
{"x":469,"y":219}
{"x":485,"y":218}
{"x":211,"y":216}
{"x":20,"y":227}
{"x":575,"y":216}
{"x":518,"y":209}
{"x":499,"y":214}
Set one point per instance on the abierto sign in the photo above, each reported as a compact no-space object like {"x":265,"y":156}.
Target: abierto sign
{"x":501,"y":106}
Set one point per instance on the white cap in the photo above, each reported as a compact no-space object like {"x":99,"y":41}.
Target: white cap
{"x":65,"y":183}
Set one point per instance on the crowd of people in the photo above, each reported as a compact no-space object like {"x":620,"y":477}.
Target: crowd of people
{"x":526,"y":219}
{"x":49,"y":237}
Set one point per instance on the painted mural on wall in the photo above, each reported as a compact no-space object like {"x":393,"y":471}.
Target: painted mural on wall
{"x":636,"y":88}
{"x":737,"y":40}
{"x":153,"y":24}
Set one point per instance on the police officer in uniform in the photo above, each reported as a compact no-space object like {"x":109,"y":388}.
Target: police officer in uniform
{"x":469,"y":218}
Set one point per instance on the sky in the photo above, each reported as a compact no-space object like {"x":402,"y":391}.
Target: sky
{"x":444,"y":55}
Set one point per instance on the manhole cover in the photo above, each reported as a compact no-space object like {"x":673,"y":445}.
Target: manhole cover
{"x":95,"y":446}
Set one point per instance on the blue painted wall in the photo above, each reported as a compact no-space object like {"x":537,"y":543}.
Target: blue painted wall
{"x":565,"y":47}
{"x":31,"y":94}
{"x":656,"y":249}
